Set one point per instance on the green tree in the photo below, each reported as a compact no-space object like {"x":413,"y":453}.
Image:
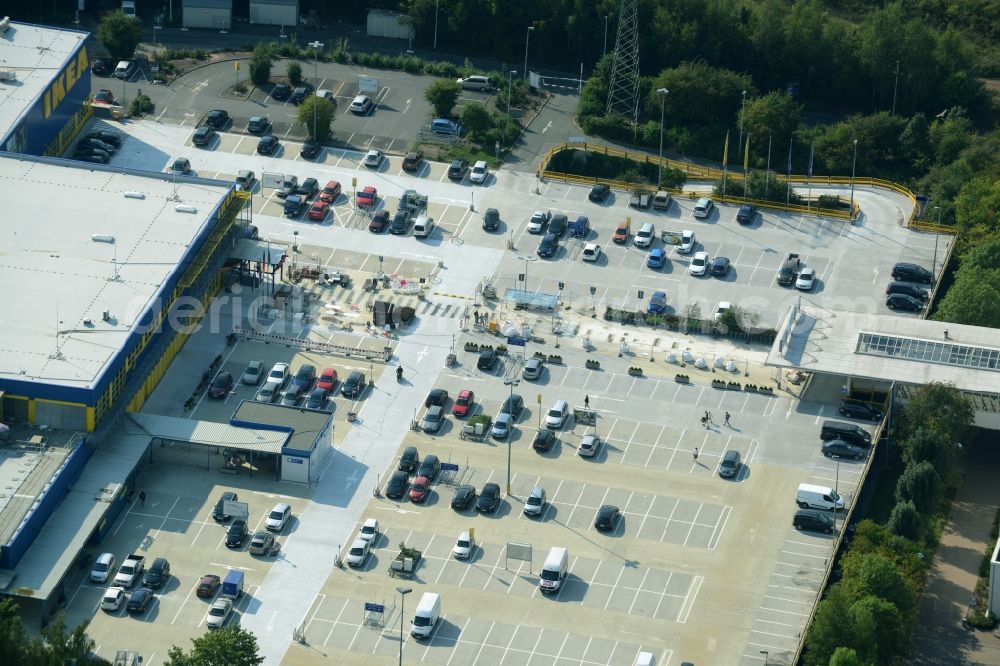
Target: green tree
{"x":978,"y":202}
{"x":294,"y":73}
{"x":699,"y":94}
{"x":119,"y":34}
{"x":14,"y":641}
{"x":926,"y":445}
{"x":920,"y":484}
{"x":985,"y":256}
{"x":906,"y":521}
{"x":476,"y":120}
{"x":942,"y":407}
{"x":442,"y":95}
{"x":317,"y":115}
{"x":230,"y":646}
{"x":59,"y":647}
{"x":915,"y":141}
{"x":774,"y":116}
{"x":950,"y":136}
{"x":878,"y":629}
{"x":845,"y":656}
{"x":830,"y":628}
{"x":973,"y":299}
{"x":260,"y":64}
{"x":874,"y":574}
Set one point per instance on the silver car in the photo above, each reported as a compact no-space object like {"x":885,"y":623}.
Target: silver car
{"x":220,"y":611}
{"x":432,"y":419}
{"x":532,"y":369}
{"x":589,"y":446}
{"x":535,"y":503}
{"x":253,"y":373}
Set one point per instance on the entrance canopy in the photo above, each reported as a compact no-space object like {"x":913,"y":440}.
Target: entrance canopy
{"x":211,"y":433}
{"x":532,"y":299}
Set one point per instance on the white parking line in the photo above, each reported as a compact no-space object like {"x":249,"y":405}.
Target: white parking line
{"x":685,"y":611}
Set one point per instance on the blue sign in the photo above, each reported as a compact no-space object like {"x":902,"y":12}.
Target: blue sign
{"x":449,"y":467}
{"x":374,"y":608}
{"x":516,"y":341}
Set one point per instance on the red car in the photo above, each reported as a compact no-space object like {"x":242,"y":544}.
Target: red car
{"x":380,"y":220}
{"x":463,"y":403}
{"x":327,"y":379}
{"x":367,"y":196}
{"x":420,"y":489}
{"x":104,"y":96}
{"x":318,"y":210}
{"x":207,"y":586}
{"x":330,"y":192}
{"x":621,"y":234}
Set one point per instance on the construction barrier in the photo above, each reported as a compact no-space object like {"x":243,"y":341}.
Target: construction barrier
{"x":313,"y":345}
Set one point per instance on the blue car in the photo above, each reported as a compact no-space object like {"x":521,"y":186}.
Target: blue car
{"x":657,"y":303}
{"x":657,"y":257}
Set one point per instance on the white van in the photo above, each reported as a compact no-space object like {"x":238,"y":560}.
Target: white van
{"x":125,"y":69}
{"x":423,"y":227}
{"x":644,"y":237}
{"x":554,"y":570}
{"x":426,"y":616}
{"x":818,"y":497}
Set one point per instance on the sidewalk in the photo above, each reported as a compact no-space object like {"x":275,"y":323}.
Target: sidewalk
{"x":938,"y":637}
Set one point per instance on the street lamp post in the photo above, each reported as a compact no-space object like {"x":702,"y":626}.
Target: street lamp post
{"x":403,"y":591}
{"x":854,"y":163}
{"x":895,"y":86}
{"x":605,"y":52}
{"x":437,"y":4}
{"x":510,"y":84}
{"x":662,"y":92}
{"x":510,"y":434}
{"x":743,"y":106}
{"x":316,"y":46}
{"x":527,"y":40}
{"x":937,"y":234}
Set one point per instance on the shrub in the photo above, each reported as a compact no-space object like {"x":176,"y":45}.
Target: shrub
{"x":294,"y":73}
{"x":140,"y":105}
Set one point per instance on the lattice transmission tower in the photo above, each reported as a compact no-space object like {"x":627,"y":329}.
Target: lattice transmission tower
{"x":623,"y":92}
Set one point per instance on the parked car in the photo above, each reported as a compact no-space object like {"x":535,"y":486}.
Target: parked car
{"x":180,"y":166}
{"x":501,"y":426}
{"x":358,"y":554}
{"x":361,"y":104}
{"x":491,"y":219}
{"x":219,"y":613}
{"x":620,"y":236}
{"x":806,"y":279}
{"x":543,"y":440}
{"x":419,"y":489}
{"x":203,"y":136}
{"x":458,"y":169}
{"x":746,"y":214}
{"x":721,"y":308}
{"x":355,"y":385}
{"x":305,"y":377}
{"x":720,"y":266}
{"x":589,"y":446}
{"x":410,"y":460}
{"x":267,"y":145}
{"x":480,"y":173}
{"x":463,"y":497}
{"x":310,"y":150}
{"x":318,"y":210}
{"x":489,"y":499}
{"x":221,"y":385}
{"x":903,"y":302}
{"x":369,"y":530}
{"x":245,"y":179}
{"x":219,"y":512}
{"x":308,"y":187}
{"x":268,"y":393}
{"x":538,"y":221}
{"x":487,"y":359}
{"x":838,"y":448}
{"x":367,"y":197}
{"x":657,"y":303}
{"x":217,"y":118}
{"x":299,"y":94}
{"x":703,"y":207}
{"x":400,"y":222}
{"x":373,"y":158}
{"x":281,"y":91}
{"x":262,"y":543}
{"x":157,"y":574}
{"x":379,"y":221}
{"x":253,"y":373}
{"x":607,"y":518}
{"x":599,"y":192}
{"x":113,"y":599}
{"x":729,"y":466}
{"x":436,"y":397}
{"x":278,"y":517}
{"x":512,"y":405}
{"x":813,"y":520}
{"x":433,"y":418}
{"x":208,"y":585}
{"x":396,"y":487}
{"x":548,"y":247}
{"x":236,"y":533}
{"x":113,"y":139}
{"x":591,"y":252}
{"x":464,"y":546}
{"x":687,"y":242}
{"x":908,"y":288}
{"x":463,"y":403}
{"x":280,"y":373}
{"x":331,"y":192}
{"x":534,"y":503}
{"x":699,"y":264}
{"x":912,"y":273}
{"x":316,"y":399}
{"x":532,"y":369}
{"x":327,"y":380}
{"x":858,"y":409}
{"x":412,"y":160}
{"x":139,"y":601}
{"x":657,"y":258}
{"x":429,"y":467}
{"x":258,"y":124}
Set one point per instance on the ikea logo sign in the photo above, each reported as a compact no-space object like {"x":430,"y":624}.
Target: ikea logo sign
{"x":64,"y":82}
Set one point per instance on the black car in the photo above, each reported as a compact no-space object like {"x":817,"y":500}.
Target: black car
{"x":838,"y":448}
{"x":409,"y":461}
{"x":904,"y":302}
{"x":607,"y":518}
{"x":599,"y":192}
{"x":813,"y":520}
{"x":487,"y":359}
{"x":489,"y":499}
{"x":513,"y":405}
{"x":308,"y":188}
{"x":491,"y":220}
{"x":458,"y":170}
{"x":281,"y":91}
{"x":309,"y":150}
{"x":543,"y":440}
{"x":139,"y":601}
{"x":380,"y":220}
{"x":305,"y":377}
{"x":219,"y":513}
{"x":400,"y":222}
{"x":720,"y":266}
{"x":112,"y":139}
{"x":87,"y":144}
{"x":412,"y":160}
{"x":436,"y":397}
{"x":430,"y":467}
{"x":912,"y":273}
{"x":858,"y":409}
{"x":217,"y":118}
{"x":258,"y":124}
{"x":463,"y":497}
{"x":94,"y":156}
{"x":317,"y":399}
{"x":221,"y":385}
{"x":396,"y":487}
{"x":203,"y":136}
{"x":102,"y":67}
{"x":908,"y":288}
{"x":267,"y":145}
{"x":236,"y":533}
{"x":746,"y":214}
{"x":158,"y":574}
{"x":558,"y":225}
{"x":354,"y":386}
{"x":549,"y":246}
{"x":299,"y":94}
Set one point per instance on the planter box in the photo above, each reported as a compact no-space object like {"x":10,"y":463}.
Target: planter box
{"x":555,"y":358}
{"x":635,"y":372}
{"x":750,"y":388}
{"x":471,"y":347}
{"x":719,"y":384}
{"x":593,"y":365}
{"x":682,"y":379}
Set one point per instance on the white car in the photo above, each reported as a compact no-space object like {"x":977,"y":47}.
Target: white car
{"x":361,"y":104}
{"x":369,"y":531}
{"x":279,"y":373}
{"x":325,"y":94}
{"x":373,"y":158}
{"x":501,"y":426}
{"x":358,"y":554}
{"x":687,"y":242}
{"x":589,"y":446}
{"x":591,"y":252}
{"x":806,"y":279}
{"x":220,"y":611}
{"x":480,"y":172}
{"x":556,"y":416}
{"x":722,"y":308}
{"x":278,"y":517}
{"x":113,"y":598}
{"x":465,"y":545}
{"x":538,"y":220}
{"x":699,"y":263}
{"x":703,"y":207}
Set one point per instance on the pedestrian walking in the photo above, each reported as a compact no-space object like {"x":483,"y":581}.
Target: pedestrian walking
{"x":695,"y":454}
{"x":142,"y":498}
{"x":704,"y":421}
{"x":727,"y":419}
{"x":586,"y":401}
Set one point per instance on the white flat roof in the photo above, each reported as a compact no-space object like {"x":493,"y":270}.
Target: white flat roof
{"x":56,"y":276}
{"x":35,"y":54}
{"x":889,"y":348}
